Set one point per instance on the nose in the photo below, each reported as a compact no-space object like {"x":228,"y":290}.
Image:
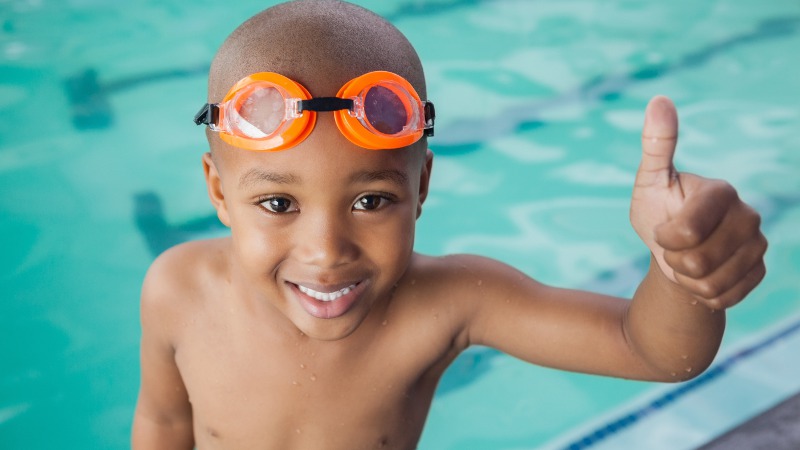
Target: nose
{"x":325,"y":240}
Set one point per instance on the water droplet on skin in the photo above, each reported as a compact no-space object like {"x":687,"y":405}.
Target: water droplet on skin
{"x":435,"y":316}
{"x":297,"y":430}
{"x":413,"y":282}
{"x":294,"y":382}
{"x":694,"y":302}
{"x":313,"y":377}
{"x":384,"y":323}
{"x":684,"y":356}
{"x":688,"y":369}
{"x":673,"y":374}
{"x":480,"y":282}
{"x":302,"y":366}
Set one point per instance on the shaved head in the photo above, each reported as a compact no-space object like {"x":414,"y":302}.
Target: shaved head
{"x":319,"y":43}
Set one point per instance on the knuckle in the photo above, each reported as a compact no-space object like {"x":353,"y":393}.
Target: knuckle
{"x":763,"y":245}
{"x":708,"y":289}
{"x":696,"y":264}
{"x":759,"y":273}
{"x":751,"y":222}
{"x":756,"y":249}
{"x":723,"y":190}
{"x":690,"y":234}
{"x":715,"y":303}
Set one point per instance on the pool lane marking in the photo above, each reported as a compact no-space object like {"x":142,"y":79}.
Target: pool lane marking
{"x":714,"y":372}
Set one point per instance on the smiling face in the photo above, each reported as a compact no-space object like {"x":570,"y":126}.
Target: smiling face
{"x":321,"y":231}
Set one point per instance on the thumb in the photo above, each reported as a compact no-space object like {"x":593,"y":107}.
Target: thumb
{"x":659,"y":137}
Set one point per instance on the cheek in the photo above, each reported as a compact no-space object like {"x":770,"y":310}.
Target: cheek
{"x":393,"y":243}
{"x":260,"y":248}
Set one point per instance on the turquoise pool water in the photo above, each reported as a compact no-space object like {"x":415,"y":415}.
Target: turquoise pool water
{"x":539,"y":104}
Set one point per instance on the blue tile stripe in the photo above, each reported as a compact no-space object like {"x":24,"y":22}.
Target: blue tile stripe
{"x":713,"y":373}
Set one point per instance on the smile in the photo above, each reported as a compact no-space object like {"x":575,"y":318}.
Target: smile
{"x":326,"y":296}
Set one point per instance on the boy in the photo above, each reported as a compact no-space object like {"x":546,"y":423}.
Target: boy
{"x":315,"y":325}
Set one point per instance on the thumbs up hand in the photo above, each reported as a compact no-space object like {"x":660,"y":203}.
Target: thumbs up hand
{"x":702,"y":236}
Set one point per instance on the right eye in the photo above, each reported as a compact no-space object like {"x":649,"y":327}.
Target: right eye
{"x":278,"y":205}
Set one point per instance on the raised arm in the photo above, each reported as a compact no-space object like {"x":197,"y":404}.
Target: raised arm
{"x":707,"y":255}
{"x":707,"y":246}
{"x":163,"y":417}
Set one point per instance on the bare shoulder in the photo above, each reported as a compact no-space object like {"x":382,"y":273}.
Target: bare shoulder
{"x":462,"y":273}
{"x":468,"y":285}
{"x":179,"y":280}
{"x":183,"y":267}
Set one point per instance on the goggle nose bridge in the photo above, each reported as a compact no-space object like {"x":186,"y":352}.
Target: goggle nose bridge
{"x":324,"y":104}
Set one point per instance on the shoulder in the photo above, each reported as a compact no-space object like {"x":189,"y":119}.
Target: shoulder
{"x":461,"y":271}
{"x":469,"y":282}
{"x":179,"y":280}
{"x":185,"y":265}
{"x":476,"y":290}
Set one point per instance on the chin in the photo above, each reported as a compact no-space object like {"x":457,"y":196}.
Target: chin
{"x":329,"y":329}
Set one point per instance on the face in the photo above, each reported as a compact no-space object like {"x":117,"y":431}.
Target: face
{"x":321,"y":231}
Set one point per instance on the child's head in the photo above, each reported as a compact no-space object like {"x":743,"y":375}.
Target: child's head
{"x":320,"y":46}
{"x":323,"y":228}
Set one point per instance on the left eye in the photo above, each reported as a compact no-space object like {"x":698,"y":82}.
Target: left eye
{"x":369,"y":202}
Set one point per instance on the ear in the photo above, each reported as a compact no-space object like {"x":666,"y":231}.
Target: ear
{"x":424,"y":180}
{"x":214,"y":185}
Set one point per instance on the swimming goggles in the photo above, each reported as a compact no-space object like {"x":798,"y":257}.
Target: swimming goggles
{"x":269,"y":112}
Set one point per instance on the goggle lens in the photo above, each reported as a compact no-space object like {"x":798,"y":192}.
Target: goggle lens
{"x":258,"y":111}
{"x":385,"y":110}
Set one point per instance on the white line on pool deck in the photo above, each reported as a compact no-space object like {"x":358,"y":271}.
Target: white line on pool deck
{"x":686,"y":416}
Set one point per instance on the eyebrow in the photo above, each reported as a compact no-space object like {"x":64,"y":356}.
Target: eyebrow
{"x":254,"y":176}
{"x":394,"y":176}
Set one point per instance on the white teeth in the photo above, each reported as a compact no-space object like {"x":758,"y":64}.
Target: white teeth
{"x":325,"y":296}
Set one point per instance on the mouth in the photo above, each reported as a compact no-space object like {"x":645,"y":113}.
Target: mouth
{"x":326,"y":296}
{"x":325,"y":302}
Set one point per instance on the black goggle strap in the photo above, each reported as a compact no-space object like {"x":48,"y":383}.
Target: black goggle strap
{"x":208,"y":115}
{"x":430,"y":117}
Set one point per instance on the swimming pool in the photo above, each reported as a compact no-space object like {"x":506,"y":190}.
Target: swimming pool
{"x":539,"y":105}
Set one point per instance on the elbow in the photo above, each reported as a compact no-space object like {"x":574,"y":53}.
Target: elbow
{"x":670,"y":364}
{"x":676,"y":368}
{"x":681,"y":371}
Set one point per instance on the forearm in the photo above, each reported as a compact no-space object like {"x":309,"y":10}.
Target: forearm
{"x":150,"y":434}
{"x":675,"y":336}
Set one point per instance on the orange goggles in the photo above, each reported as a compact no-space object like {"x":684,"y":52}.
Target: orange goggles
{"x":269,"y":112}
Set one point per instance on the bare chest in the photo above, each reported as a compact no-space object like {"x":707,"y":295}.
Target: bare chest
{"x":250,"y":390}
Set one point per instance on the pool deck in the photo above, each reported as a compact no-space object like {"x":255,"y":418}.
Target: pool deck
{"x":775,"y":429}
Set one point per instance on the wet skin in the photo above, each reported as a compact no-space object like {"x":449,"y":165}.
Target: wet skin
{"x":315,"y":325}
